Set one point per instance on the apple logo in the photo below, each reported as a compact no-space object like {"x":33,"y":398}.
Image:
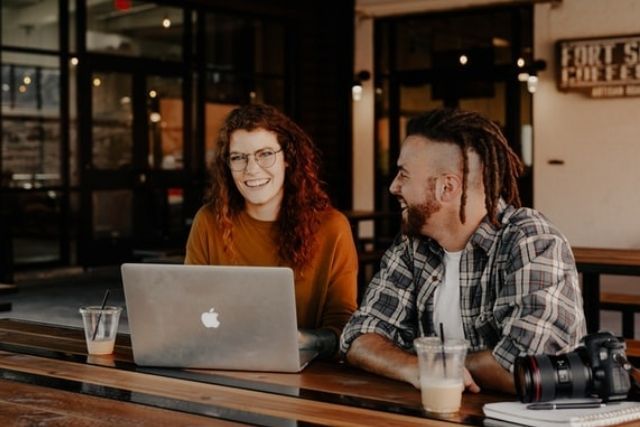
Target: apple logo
{"x":210,"y":318}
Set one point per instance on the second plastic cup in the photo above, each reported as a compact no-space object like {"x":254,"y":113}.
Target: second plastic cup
{"x":441,"y":373}
{"x":100,"y":328}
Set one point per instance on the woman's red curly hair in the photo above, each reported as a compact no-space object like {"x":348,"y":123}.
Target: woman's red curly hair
{"x":303,"y":200}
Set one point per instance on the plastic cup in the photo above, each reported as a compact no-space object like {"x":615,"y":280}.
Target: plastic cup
{"x":100,"y":328}
{"x":441,"y":373}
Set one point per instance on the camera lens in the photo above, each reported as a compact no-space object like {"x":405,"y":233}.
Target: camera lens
{"x":543,"y":378}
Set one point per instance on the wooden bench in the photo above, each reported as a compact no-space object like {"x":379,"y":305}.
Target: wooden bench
{"x":633,"y":351}
{"x":627,"y":304}
{"x":593,"y":262}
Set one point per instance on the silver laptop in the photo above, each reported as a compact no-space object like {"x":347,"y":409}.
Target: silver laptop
{"x":213,"y":317}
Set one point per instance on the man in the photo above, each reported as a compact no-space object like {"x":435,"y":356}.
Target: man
{"x":469,"y":258}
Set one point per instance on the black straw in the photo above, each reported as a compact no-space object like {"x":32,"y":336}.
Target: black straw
{"x":444,"y":356}
{"x":104,"y":303}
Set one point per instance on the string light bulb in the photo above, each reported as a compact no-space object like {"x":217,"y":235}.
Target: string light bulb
{"x":356,"y":87}
{"x":356,"y":91}
{"x":532,"y":83}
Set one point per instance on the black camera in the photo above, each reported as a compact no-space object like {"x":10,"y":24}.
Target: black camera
{"x":598,"y":368}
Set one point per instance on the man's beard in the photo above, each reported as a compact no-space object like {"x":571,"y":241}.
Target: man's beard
{"x":418,"y":215}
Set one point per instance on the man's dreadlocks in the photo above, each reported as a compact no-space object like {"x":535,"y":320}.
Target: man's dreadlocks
{"x":468,"y":130}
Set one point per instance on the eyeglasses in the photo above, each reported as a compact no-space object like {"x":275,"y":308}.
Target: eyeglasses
{"x":265,"y":158}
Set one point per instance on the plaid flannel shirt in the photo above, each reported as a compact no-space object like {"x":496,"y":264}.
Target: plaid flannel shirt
{"x":519,"y":290}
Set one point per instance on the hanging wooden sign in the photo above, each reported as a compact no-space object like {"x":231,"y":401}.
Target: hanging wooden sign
{"x":600,"y":67}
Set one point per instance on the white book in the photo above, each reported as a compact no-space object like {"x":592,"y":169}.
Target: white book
{"x":609,"y":414}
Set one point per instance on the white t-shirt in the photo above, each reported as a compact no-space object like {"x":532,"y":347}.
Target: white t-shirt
{"x":447,"y":298}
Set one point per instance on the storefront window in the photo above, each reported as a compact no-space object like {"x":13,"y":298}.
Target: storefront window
{"x":52,"y":164}
{"x":244,"y":44}
{"x":112,"y":120}
{"x":485,"y":37}
{"x":164,"y":115}
{"x":30,"y":121}
{"x":142,"y":29}
{"x":30,"y":24}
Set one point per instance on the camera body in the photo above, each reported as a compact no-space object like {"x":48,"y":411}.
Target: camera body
{"x":598,"y":368}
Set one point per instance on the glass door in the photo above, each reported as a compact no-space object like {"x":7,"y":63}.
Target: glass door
{"x":498,"y":100}
{"x":459,"y":59}
{"x":134,"y":167}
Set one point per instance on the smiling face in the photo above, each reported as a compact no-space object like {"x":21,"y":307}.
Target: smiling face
{"x":415,"y":184}
{"x":261,"y":187}
{"x":415,"y":216}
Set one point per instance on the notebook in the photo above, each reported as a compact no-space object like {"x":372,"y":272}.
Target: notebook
{"x":213,"y":317}
{"x":518,"y":414}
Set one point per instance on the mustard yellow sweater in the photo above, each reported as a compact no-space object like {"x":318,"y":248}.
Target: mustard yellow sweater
{"x":325,"y":289}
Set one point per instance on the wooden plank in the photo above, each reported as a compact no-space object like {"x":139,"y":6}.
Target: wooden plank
{"x":335,"y":378}
{"x":338,"y":379}
{"x":619,"y":257}
{"x":19,"y":415}
{"x":633,"y":347}
{"x":47,"y":330}
{"x":57,"y":338}
{"x":320,"y":376}
{"x":66,"y":345}
{"x":342,"y":379}
{"x":201,"y":393}
{"x":27,"y":404}
{"x":622,"y":299}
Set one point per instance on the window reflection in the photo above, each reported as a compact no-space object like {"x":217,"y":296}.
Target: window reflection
{"x":164,"y":113}
{"x":108,"y":222}
{"x":215,"y":114}
{"x":424,"y":41}
{"x":30,"y":24}
{"x":244,"y":44}
{"x":140,"y":30}
{"x":30,"y":121}
{"x":25,"y":88}
{"x":244,"y":58}
{"x":112,"y":120}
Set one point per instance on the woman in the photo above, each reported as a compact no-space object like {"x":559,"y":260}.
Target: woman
{"x":265,"y":207}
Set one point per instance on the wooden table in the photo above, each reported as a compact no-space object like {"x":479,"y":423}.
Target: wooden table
{"x":47,"y":378}
{"x":592,"y":262}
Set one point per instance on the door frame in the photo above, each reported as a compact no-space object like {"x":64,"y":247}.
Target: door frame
{"x":506,"y":73}
{"x":139,"y":178}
